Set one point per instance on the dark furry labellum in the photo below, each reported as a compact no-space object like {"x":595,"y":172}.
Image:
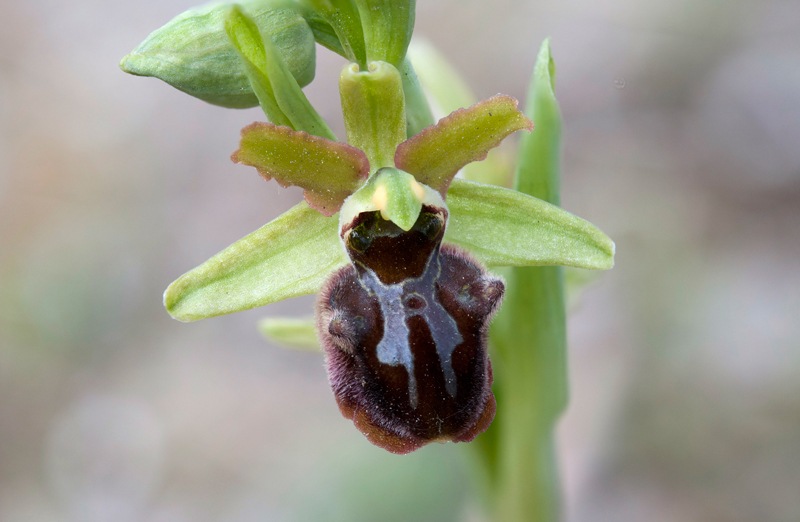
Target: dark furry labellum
{"x":404,"y":331}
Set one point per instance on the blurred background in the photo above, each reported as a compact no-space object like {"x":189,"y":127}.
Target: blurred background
{"x":682,"y":142}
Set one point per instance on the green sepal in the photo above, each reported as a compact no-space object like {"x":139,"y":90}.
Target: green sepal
{"x":374,"y":110}
{"x":502,"y":227}
{"x":436,"y":154}
{"x":279,"y":94}
{"x":288,"y":257}
{"x":388,"y":25}
{"x":396,"y":194}
{"x":342,"y":18}
{"x":328,"y":171}
{"x":192,"y":52}
{"x":297,"y":334}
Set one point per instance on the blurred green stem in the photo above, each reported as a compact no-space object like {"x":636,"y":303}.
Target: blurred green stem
{"x":529,"y":341}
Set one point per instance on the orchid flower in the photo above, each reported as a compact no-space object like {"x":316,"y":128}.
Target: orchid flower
{"x":393,"y":242}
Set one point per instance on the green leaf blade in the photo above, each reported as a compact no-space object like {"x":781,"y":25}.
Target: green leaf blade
{"x":503,"y":227}
{"x":539,"y":159}
{"x":288,"y":257}
{"x":418,"y":110}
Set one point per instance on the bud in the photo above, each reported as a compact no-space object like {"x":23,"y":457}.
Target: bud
{"x":193,"y":53}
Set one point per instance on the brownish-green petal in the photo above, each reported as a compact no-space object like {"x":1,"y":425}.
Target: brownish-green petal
{"x":288,"y":257}
{"x":436,"y":154}
{"x":328,"y":171}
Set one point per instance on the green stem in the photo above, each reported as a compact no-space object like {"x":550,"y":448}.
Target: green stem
{"x":529,"y":340}
{"x":529,"y":343}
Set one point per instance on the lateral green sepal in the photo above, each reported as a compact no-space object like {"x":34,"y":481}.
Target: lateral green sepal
{"x":288,"y":257}
{"x":504,"y":227}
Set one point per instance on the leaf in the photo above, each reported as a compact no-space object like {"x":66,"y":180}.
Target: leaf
{"x":505,"y":227}
{"x":279,"y":94}
{"x":539,"y":157}
{"x":288,"y":257}
{"x":436,"y":154}
{"x":328,"y":171}
{"x":300,"y":334}
{"x":192,"y":51}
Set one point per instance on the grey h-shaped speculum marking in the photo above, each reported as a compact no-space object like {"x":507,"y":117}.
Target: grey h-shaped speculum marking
{"x":394,"y":347}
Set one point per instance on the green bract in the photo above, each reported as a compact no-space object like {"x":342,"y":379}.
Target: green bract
{"x":278,"y":93}
{"x":192,"y":52}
